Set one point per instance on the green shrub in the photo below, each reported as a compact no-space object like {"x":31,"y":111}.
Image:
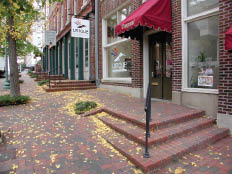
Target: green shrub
{"x":21,"y":81}
{"x":43,"y":82}
{"x":84,"y":106}
{"x":34,"y":75}
{"x":6,"y":100}
{"x":29,"y":72}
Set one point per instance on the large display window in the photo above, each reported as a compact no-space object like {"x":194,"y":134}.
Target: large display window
{"x":116,"y":50}
{"x":119,"y":60}
{"x":200,"y":45}
{"x":203,"y":53}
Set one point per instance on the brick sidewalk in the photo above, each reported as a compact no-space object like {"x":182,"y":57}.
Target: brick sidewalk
{"x":47,"y":138}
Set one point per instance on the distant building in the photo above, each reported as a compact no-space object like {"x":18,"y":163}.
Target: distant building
{"x":73,"y":57}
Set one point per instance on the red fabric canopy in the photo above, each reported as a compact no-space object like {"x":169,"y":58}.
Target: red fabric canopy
{"x":229,"y":39}
{"x":154,"y":14}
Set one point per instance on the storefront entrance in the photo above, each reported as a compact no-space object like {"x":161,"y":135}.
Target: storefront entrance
{"x":160,"y":66}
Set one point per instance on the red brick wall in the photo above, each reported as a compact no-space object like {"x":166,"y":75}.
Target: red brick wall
{"x":92,"y":42}
{"x":137,"y":55}
{"x":136,"y":47}
{"x":225,"y":59}
{"x":176,"y":45}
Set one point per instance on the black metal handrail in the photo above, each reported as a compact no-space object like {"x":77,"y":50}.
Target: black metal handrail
{"x":147,"y":109}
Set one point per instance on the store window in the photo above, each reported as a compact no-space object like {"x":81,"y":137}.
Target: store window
{"x":201,"y":48}
{"x":86,"y":52}
{"x":68,"y":12}
{"x":75,"y":7}
{"x":117,"y":50}
{"x":113,"y":20}
{"x":119,"y":60}
{"x":76,"y":52}
{"x":62,"y":16}
{"x":58,"y":24}
{"x":198,"y":6}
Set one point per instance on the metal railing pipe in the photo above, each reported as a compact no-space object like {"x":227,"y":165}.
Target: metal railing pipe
{"x":147,"y":109}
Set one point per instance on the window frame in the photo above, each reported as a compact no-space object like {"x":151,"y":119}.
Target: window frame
{"x":57,"y":24}
{"x":86,"y":40}
{"x":68,"y":12}
{"x":106,"y":45}
{"x":62,"y":17}
{"x":75,"y":7}
{"x":185,"y":20}
{"x":84,"y":4}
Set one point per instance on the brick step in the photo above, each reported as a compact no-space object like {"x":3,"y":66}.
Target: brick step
{"x":137,"y":134}
{"x":52,"y":78}
{"x":68,"y":89}
{"x":72,"y":85}
{"x":42,"y":73}
{"x":163,"y":154}
{"x":157,"y":124}
{"x":63,"y":82}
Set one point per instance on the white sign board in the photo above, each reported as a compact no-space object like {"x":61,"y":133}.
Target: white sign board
{"x":50,"y":37}
{"x":205,"y":81}
{"x":80,"y":28}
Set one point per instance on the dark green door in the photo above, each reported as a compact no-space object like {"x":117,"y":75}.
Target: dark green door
{"x":160,"y":73}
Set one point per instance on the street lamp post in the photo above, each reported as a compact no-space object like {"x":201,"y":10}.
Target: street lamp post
{"x":7,"y":84}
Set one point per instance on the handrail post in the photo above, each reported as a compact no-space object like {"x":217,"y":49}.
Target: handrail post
{"x":148,"y":119}
{"x":49,"y":85}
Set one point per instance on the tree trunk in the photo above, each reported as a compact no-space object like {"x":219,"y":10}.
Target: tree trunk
{"x":14,"y":74}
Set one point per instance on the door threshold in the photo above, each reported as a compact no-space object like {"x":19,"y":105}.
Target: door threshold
{"x":161,"y":100}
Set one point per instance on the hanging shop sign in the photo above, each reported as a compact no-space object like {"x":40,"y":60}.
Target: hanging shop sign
{"x":80,"y":28}
{"x":50,"y":38}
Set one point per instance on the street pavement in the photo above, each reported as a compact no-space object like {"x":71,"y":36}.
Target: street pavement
{"x":45,"y":136}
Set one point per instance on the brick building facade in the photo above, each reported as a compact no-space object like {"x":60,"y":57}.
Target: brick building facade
{"x":73,"y":57}
{"x":188,"y":66}
{"x":204,"y":24}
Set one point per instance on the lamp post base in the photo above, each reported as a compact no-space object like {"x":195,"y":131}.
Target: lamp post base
{"x":6,"y":85}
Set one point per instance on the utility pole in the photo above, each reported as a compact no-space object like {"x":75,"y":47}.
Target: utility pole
{"x":7,"y":84}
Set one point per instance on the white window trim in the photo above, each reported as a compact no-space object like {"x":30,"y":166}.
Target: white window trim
{"x":185,"y":20}
{"x":105,"y":59}
{"x":57,"y":24}
{"x":118,"y":80}
{"x":68,"y":12}
{"x":105,"y":45}
{"x":144,"y":1}
{"x":62,"y":17}
{"x":84,"y":4}
{"x":75,"y":7}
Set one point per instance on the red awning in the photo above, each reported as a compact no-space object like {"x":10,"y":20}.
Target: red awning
{"x":154,"y":14}
{"x":229,"y":39}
